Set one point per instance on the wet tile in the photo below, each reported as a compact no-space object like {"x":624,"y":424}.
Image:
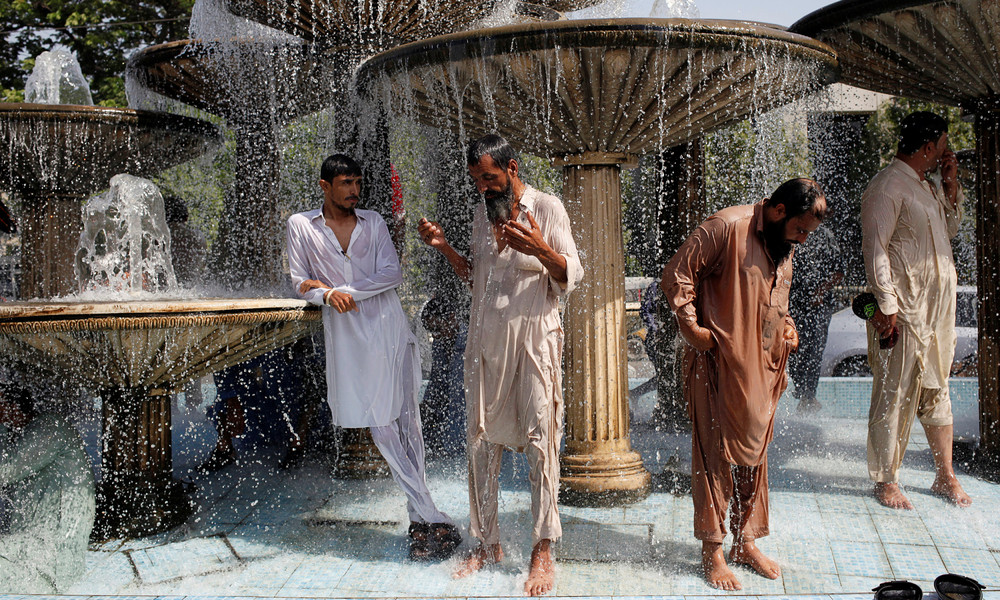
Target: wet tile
{"x":981,"y":565}
{"x":579,"y":541}
{"x":804,"y":582}
{"x":316,"y":573}
{"x":190,"y":558}
{"x":370,"y":576}
{"x":855,"y":559}
{"x":804,"y":556}
{"x":914,"y":562}
{"x":902,"y":530}
{"x":623,"y":542}
{"x":850,"y":527}
{"x":954,"y":533}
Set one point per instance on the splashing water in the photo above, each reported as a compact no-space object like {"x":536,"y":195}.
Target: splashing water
{"x":125,"y":244}
{"x":57,"y":79}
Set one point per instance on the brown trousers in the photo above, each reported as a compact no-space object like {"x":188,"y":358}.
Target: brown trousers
{"x":717,"y":486}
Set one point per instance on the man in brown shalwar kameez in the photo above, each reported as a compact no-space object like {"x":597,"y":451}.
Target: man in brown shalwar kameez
{"x":728,"y":286}
{"x":523,"y":259}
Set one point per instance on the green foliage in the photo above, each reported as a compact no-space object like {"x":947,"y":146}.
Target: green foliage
{"x":101,"y":33}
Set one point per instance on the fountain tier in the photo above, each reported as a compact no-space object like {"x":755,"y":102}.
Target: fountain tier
{"x":593,"y":95}
{"x":943,"y":52}
{"x":59,"y":154}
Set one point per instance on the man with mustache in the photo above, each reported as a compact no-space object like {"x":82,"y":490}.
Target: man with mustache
{"x":728,"y":286}
{"x":523,"y":259}
{"x":342,"y":258}
{"x":907,"y":222}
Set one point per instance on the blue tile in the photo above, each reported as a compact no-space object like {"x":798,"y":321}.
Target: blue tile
{"x":979,"y":564}
{"x":856,"y":559}
{"x":914,"y":562}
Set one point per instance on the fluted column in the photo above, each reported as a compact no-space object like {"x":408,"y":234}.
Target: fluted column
{"x":50,"y":226}
{"x":988,"y":259}
{"x":598,"y":466}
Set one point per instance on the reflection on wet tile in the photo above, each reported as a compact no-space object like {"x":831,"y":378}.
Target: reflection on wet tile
{"x":914,"y":562}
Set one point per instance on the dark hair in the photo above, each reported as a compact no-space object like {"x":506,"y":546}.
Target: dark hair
{"x":918,"y":128}
{"x":338,"y":164}
{"x":495,"y":147}
{"x":800,"y":196}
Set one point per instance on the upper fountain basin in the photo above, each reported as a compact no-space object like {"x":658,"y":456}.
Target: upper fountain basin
{"x":598,"y":86}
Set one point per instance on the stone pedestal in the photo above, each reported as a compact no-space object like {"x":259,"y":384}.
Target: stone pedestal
{"x":137,"y":495}
{"x":359,"y":457}
{"x":599,"y":466}
{"x":988,"y":258}
{"x":50,"y":230}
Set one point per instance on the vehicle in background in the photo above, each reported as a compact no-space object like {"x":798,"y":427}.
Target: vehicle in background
{"x":846,"y":351}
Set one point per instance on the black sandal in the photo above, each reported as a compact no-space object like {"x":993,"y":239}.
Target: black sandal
{"x":958,"y":587}
{"x":420,"y":542}
{"x":446,"y":539}
{"x":898,"y":590}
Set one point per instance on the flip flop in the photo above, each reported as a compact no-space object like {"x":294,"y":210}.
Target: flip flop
{"x":446,"y":538}
{"x":898,"y":590}
{"x":420,"y":542}
{"x":958,"y":587}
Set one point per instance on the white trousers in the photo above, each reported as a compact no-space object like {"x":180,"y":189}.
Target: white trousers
{"x":401,"y":443}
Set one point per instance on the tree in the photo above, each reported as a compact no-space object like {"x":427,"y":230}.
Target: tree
{"x":101,"y":33}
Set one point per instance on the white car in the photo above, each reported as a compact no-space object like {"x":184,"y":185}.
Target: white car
{"x":846,"y":351}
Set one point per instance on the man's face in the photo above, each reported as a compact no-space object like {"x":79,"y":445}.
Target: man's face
{"x":785,"y":233}
{"x":938,"y":150}
{"x":494,"y":184}
{"x":344,"y":192}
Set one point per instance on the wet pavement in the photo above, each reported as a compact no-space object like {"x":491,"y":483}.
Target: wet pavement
{"x":260,"y":531}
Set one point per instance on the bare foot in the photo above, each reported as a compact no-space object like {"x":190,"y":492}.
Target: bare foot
{"x":889,"y":494}
{"x":950,"y":489}
{"x":748,"y":554}
{"x":477,"y":559}
{"x":717,"y":572}
{"x":541,"y":574}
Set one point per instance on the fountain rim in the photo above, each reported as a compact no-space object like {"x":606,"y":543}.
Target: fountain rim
{"x":488,"y":41}
{"x":31,"y":111}
{"x":844,"y":12}
{"x":158,"y":53}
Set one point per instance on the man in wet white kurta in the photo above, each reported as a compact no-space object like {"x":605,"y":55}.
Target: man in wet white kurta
{"x":372,"y":362}
{"x":907,"y":222}
{"x":523,"y":260}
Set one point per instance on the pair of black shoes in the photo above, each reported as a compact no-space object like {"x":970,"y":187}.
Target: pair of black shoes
{"x":948,"y":587}
{"x":433,"y":541}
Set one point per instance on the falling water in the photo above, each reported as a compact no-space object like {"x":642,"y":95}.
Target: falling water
{"x":57,"y":79}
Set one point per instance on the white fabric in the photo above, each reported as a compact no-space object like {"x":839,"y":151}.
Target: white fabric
{"x":372,"y":360}
{"x":907,"y":225}
{"x":402,"y":445}
{"x":515,"y":306}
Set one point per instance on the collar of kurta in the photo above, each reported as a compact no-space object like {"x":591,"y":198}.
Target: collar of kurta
{"x":319,"y":215}
{"x":527,"y":201}
{"x":758,"y":219}
{"x":906,"y":169}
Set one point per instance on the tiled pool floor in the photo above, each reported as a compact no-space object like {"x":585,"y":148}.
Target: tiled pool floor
{"x":263,"y":532}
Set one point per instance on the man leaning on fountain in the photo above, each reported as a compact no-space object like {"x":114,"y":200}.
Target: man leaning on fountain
{"x":523,"y":259}
{"x":342,"y":258}
{"x":728,"y":286}
{"x":907,"y":222}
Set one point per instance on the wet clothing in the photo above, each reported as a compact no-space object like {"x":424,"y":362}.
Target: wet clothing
{"x":907,"y":226}
{"x":513,"y":364}
{"x":47,"y":481}
{"x":372,"y":361}
{"x":723,"y":279}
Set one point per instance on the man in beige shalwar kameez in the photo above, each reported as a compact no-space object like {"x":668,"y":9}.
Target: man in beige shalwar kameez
{"x":907,"y":224}
{"x":523,"y":260}
{"x":728,"y":286}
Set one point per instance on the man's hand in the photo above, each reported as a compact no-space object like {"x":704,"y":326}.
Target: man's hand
{"x":696,"y":335}
{"x":791,"y":336}
{"x":340,"y":301}
{"x":526,"y":240}
{"x":311,"y":284}
{"x":431,"y":233}
{"x":949,"y":176}
{"x":883,"y":323}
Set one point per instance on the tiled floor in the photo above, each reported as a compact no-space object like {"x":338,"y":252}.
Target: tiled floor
{"x":263,"y":532}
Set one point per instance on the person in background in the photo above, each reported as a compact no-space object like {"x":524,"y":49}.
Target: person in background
{"x":443,"y":408}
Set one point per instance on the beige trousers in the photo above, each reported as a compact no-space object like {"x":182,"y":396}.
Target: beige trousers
{"x":898,"y":397}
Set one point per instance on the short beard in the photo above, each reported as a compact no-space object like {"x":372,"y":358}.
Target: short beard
{"x":498,"y":205}
{"x":777,"y":246}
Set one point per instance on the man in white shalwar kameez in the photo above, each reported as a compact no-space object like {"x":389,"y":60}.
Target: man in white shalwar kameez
{"x":907,"y":222}
{"x":343,"y":259}
{"x":523,"y":260}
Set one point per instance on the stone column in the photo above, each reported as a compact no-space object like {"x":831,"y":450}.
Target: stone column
{"x":599,"y":466}
{"x":988,"y":259}
{"x":50,"y":226}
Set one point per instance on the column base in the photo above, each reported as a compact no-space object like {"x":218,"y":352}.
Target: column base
{"x":359,"y":457}
{"x":605,"y":479}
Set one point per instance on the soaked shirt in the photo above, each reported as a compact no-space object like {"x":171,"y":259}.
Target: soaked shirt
{"x":372,"y":361}
{"x":515,"y":307}
{"x":907,"y":226}
{"x":723,"y":279}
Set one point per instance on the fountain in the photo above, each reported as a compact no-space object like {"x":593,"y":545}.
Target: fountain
{"x":592,"y":95}
{"x":133,"y":350}
{"x":942,"y":52}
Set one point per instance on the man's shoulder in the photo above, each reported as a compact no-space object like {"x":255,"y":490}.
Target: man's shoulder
{"x":734,"y":214}
{"x":304,"y":217}
{"x":545,"y":203}
{"x":369,"y":215}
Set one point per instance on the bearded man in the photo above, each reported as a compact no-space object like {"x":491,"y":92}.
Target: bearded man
{"x":728,"y":286}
